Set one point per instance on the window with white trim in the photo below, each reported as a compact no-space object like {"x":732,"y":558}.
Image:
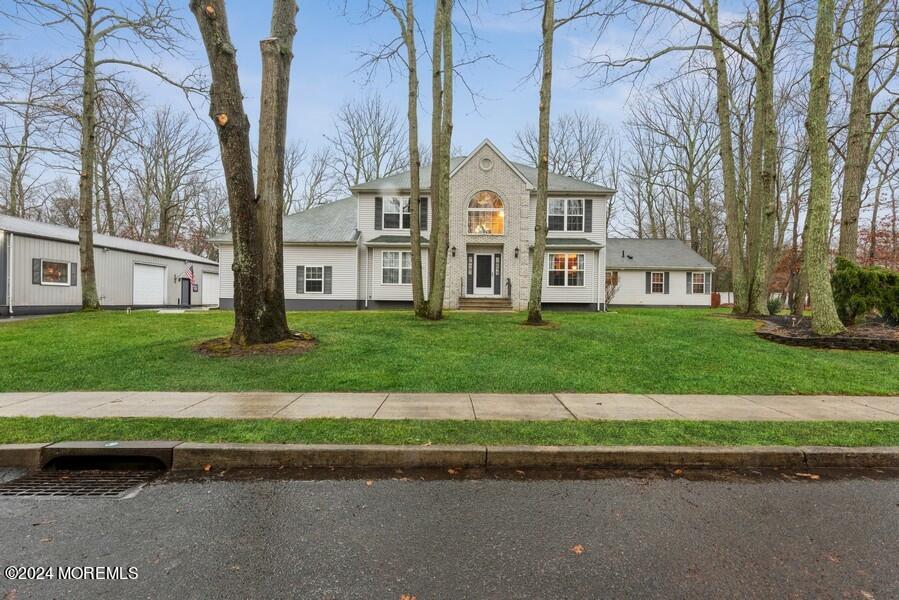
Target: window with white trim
{"x":566,"y":214}
{"x":657,"y":283}
{"x":315,"y":280}
{"x":396,"y":267}
{"x":698,"y":283}
{"x":486,"y":214}
{"x":396,"y":213}
{"x":55,"y":272}
{"x":566,"y":270}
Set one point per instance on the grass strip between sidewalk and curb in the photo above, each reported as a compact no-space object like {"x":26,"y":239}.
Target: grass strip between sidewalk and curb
{"x":537,"y":433}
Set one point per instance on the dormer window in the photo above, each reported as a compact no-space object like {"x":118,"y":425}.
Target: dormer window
{"x":486,"y":215}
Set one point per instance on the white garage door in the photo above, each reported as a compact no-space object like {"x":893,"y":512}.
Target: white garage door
{"x":149,"y":285}
{"x":211,"y":289}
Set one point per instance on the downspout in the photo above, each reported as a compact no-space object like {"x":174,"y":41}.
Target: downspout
{"x":9,"y":265}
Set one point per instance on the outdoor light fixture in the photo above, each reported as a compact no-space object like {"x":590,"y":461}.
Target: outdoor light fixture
{"x":516,"y":251}
{"x":454,"y":251}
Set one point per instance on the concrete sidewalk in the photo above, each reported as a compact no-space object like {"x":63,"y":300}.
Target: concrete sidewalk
{"x":383,"y":405}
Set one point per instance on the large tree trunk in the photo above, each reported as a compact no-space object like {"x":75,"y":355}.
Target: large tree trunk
{"x":815,"y":247}
{"x":440,"y":168}
{"x":253,"y":321}
{"x":858,"y":142}
{"x":407,"y":28}
{"x":733,"y":208}
{"x":90,"y":300}
{"x":277,"y":54}
{"x":535,"y":314}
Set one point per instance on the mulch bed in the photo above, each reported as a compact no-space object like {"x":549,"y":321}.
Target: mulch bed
{"x":298,"y":343}
{"x":872,"y":334}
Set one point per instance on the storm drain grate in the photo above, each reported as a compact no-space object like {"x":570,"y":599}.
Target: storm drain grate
{"x":95,"y":484}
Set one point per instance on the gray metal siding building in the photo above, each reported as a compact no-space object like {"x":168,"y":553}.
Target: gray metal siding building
{"x":40,"y":271}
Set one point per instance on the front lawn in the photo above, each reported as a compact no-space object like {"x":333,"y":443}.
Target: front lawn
{"x":369,"y":431}
{"x":634,"y":350}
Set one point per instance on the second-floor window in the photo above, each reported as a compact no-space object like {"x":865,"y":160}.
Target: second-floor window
{"x":566,"y":214}
{"x":396,"y":213}
{"x":486,"y":215}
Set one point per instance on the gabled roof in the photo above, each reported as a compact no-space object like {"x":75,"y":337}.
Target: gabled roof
{"x":624,"y":253}
{"x":331,"y":223}
{"x":558,"y":184}
{"x":488,"y":144}
{"x":68,"y":234}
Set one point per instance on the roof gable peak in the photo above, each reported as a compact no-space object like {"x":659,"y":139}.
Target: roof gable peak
{"x":487,"y":143}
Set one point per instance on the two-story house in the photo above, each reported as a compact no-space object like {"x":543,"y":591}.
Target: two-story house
{"x":355,"y":253}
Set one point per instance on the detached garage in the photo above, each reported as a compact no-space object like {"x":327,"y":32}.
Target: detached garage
{"x":39,"y":271}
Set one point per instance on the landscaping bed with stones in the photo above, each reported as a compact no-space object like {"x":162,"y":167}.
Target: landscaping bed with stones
{"x":872,"y":334}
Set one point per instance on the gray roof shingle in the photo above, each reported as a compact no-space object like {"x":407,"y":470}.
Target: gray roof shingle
{"x":557,"y":183}
{"x":67,"y":234}
{"x":334,"y":222}
{"x":624,"y":253}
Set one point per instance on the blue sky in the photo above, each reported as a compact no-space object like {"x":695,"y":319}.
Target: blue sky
{"x":326,"y":60}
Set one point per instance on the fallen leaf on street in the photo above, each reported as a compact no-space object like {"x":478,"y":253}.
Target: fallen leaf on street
{"x":453,"y":471}
{"x":809,"y":476}
{"x":578,"y":549}
{"x":207,"y":468}
{"x":678,"y":472}
{"x":408,"y":597}
{"x":520,"y":472}
{"x":369,"y":483}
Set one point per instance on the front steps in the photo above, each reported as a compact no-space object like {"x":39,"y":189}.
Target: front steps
{"x":485,"y":304}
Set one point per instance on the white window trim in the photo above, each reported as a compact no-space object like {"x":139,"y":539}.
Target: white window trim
{"x":470,"y":210}
{"x":693,"y":283}
{"x":306,"y":278}
{"x":581,"y":258}
{"x":399,"y":268}
{"x":564,"y":216}
{"x":384,"y":213}
{"x":651,"y":282}
{"x":68,"y":264}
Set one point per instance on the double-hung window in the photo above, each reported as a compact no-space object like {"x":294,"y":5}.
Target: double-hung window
{"x":566,"y":214}
{"x":397,"y":213}
{"x":54,"y":272}
{"x":396,"y":267}
{"x":566,"y":270}
{"x":698,"y":283}
{"x":315,"y":280}
{"x":657,"y":283}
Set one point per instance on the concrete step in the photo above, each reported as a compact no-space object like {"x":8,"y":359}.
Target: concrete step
{"x":485,"y":304}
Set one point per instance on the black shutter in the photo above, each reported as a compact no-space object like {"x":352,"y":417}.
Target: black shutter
{"x":667,"y":278}
{"x":707,"y":288}
{"x":301,"y":279}
{"x":423,"y":213}
{"x":689,"y":282}
{"x":73,"y":280}
{"x":327,"y":283}
{"x":379,"y":209}
{"x":36,"y":271}
{"x":648,"y":282}
{"x":588,"y":216}
{"x":469,"y":285}
{"x":497,"y":272}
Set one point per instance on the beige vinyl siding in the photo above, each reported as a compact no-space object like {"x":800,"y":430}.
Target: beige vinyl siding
{"x":401,"y":291}
{"x":585,"y":294}
{"x":341,"y":259}
{"x":114,"y":272}
{"x":632,"y":290}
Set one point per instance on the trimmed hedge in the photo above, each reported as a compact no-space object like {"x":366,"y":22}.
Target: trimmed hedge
{"x":859,"y":290}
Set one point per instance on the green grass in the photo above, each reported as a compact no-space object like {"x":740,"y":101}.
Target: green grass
{"x":635,"y":350}
{"x":367,"y":431}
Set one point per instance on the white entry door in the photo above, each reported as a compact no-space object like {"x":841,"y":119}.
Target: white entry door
{"x":149,"y":285}
{"x":483,"y":274}
{"x":210,"y":292}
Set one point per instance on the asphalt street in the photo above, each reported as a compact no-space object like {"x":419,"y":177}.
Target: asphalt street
{"x":658,"y":536}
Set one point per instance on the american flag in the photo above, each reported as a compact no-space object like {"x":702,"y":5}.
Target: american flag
{"x":189,"y":273}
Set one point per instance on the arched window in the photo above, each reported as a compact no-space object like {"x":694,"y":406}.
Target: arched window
{"x":486,"y":215}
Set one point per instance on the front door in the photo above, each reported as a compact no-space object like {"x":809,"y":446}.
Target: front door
{"x":185,"y":292}
{"x":483,"y":274}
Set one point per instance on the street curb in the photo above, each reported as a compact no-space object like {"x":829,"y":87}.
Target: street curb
{"x":196,"y":456}
{"x":192,"y":456}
